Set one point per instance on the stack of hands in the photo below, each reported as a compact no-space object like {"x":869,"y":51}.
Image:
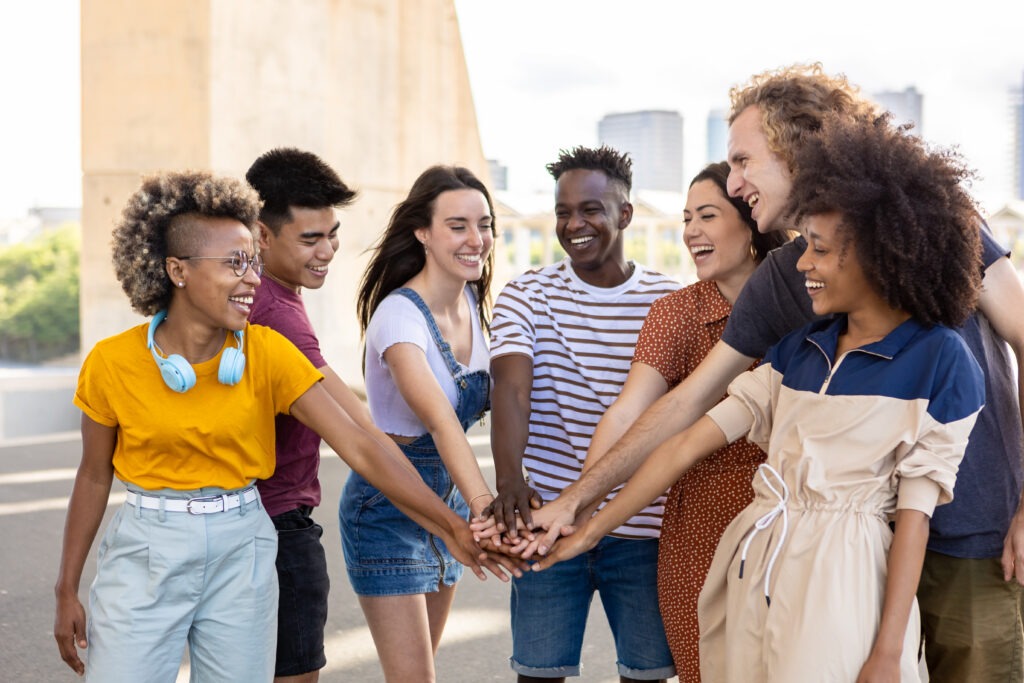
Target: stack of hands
{"x":516,"y":525}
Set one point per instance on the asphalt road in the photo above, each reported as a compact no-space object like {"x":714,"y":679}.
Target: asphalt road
{"x":35,"y":480}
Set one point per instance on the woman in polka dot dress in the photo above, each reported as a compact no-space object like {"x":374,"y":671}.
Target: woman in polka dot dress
{"x":680,"y":329}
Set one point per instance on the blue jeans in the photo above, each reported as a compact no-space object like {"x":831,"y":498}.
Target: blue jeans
{"x":550,"y":608}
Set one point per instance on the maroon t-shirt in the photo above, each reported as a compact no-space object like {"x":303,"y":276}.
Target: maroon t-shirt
{"x":294,"y":482}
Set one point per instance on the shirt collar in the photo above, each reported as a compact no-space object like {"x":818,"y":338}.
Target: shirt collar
{"x":825,"y":334}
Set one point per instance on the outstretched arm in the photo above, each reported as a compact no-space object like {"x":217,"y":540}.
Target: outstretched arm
{"x":510,"y":429}
{"x":424,"y":395}
{"x":85,"y":512}
{"x":665,"y":465}
{"x":1002,"y":299}
{"x":360,"y":414}
{"x":402,"y":485}
{"x":671,"y":414}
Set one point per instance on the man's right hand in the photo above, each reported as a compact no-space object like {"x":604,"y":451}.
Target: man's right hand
{"x":557,"y":518}
{"x":512,"y":499}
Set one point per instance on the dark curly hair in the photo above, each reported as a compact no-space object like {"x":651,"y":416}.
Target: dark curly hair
{"x":613,"y":163}
{"x":763,"y":242}
{"x":287,"y":177}
{"x":794,"y":100}
{"x":915,"y":229}
{"x":398,"y":255}
{"x":156,"y":223}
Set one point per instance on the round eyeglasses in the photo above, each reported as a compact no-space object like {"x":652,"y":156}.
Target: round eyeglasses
{"x":239,"y":262}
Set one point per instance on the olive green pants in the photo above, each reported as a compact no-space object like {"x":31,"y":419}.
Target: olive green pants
{"x":971,"y":621}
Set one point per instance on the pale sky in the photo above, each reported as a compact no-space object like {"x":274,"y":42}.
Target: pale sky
{"x":543,"y":74}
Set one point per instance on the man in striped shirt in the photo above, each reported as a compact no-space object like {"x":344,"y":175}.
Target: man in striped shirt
{"x":562,"y":339}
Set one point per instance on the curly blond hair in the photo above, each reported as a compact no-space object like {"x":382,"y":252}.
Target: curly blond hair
{"x":157,"y":215}
{"x":794,"y":100}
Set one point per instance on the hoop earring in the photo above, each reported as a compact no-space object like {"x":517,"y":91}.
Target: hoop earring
{"x":753,"y":252}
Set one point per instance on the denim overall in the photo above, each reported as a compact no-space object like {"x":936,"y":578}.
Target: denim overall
{"x":386,"y":553}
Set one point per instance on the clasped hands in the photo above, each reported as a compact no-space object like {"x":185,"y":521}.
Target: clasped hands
{"x":517,"y":524}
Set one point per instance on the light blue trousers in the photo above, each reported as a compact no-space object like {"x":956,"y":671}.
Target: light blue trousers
{"x":167,"y":578}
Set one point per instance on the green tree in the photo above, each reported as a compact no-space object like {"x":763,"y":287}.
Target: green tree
{"x":39,"y":296}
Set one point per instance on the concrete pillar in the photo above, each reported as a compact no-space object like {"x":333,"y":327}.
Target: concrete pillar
{"x":378,"y":88}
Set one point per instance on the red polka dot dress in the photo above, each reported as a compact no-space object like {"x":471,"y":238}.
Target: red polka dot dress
{"x":677,"y":334}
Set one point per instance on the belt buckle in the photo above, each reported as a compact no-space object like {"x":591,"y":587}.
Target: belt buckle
{"x":201,"y":501}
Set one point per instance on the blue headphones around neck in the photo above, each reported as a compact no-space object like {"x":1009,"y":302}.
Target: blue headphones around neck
{"x":178,"y":373}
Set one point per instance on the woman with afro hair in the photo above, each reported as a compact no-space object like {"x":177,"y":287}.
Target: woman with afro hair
{"x":181,"y":409}
{"x":864,"y":414}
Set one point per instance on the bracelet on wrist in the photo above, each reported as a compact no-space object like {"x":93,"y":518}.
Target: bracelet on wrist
{"x":471,"y":500}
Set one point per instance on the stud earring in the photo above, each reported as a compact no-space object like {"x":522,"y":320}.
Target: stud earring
{"x":181,"y":284}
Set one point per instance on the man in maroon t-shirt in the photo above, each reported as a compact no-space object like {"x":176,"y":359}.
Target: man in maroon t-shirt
{"x":298,"y":238}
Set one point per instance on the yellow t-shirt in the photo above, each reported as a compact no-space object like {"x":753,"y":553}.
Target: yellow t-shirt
{"x":213,"y":434}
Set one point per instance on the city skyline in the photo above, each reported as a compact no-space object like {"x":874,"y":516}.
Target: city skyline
{"x":543,"y":75}
{"x":583,"y":60}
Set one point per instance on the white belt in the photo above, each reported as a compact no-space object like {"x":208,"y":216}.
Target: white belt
{"x":765,"y":521}
{"x":196,"y":506}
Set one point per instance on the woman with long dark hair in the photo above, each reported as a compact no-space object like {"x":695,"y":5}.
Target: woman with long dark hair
{"x":422,"y":307}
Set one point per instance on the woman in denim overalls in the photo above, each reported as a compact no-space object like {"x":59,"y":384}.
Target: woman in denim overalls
{"x":422,"y":308}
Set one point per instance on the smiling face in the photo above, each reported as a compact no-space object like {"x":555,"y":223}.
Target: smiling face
{"x":298,"y":255}
{"x":834,"y":278}
{"x":757,"y":175}
{"x":460,"y":235}
{"x":717,"y":237}
{"x":591,"y":212}
{"x":210,"y":292}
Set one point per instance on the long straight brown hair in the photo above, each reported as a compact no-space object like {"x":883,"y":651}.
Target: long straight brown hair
{"x":398,"y":255}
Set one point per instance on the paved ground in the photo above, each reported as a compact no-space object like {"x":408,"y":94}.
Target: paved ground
{"x":35,"y":480}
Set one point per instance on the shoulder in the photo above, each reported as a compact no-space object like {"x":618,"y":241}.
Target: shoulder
{"x":532,"y":291}
{"x":789,"y":253}
{"x":268,"y":306}
{"x":685,"y":302}
{"x":991,"y":250}
{"x":652,"y":279}
{"x":395,"y":306}
{"x":540,"y":278}
{"x":958,"y":388}
{"x":120,"y":345}
{"x":397,"y":319}
{"x":261,"y":335}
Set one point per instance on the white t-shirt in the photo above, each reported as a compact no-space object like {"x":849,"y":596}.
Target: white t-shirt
{"x":398,"y":320}
{"x":581,"y":340}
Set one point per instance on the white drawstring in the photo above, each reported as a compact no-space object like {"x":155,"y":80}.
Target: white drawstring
{"x":765,"y":521}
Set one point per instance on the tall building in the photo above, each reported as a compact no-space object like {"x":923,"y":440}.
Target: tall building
{"x":905,"y":106}
{"x":718,"y":135}
{"x":1018,"y":141}
{"x":654,"y":139}
{"x":499,"y":174}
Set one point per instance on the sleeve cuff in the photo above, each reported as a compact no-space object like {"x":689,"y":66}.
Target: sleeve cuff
{"x":732,"y":417}
{"x":918,"y":493}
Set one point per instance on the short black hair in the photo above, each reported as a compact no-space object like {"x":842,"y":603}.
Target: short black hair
{"x":914,"y":227}
{"x":613,"y":163}
{"x":287,"y":177}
